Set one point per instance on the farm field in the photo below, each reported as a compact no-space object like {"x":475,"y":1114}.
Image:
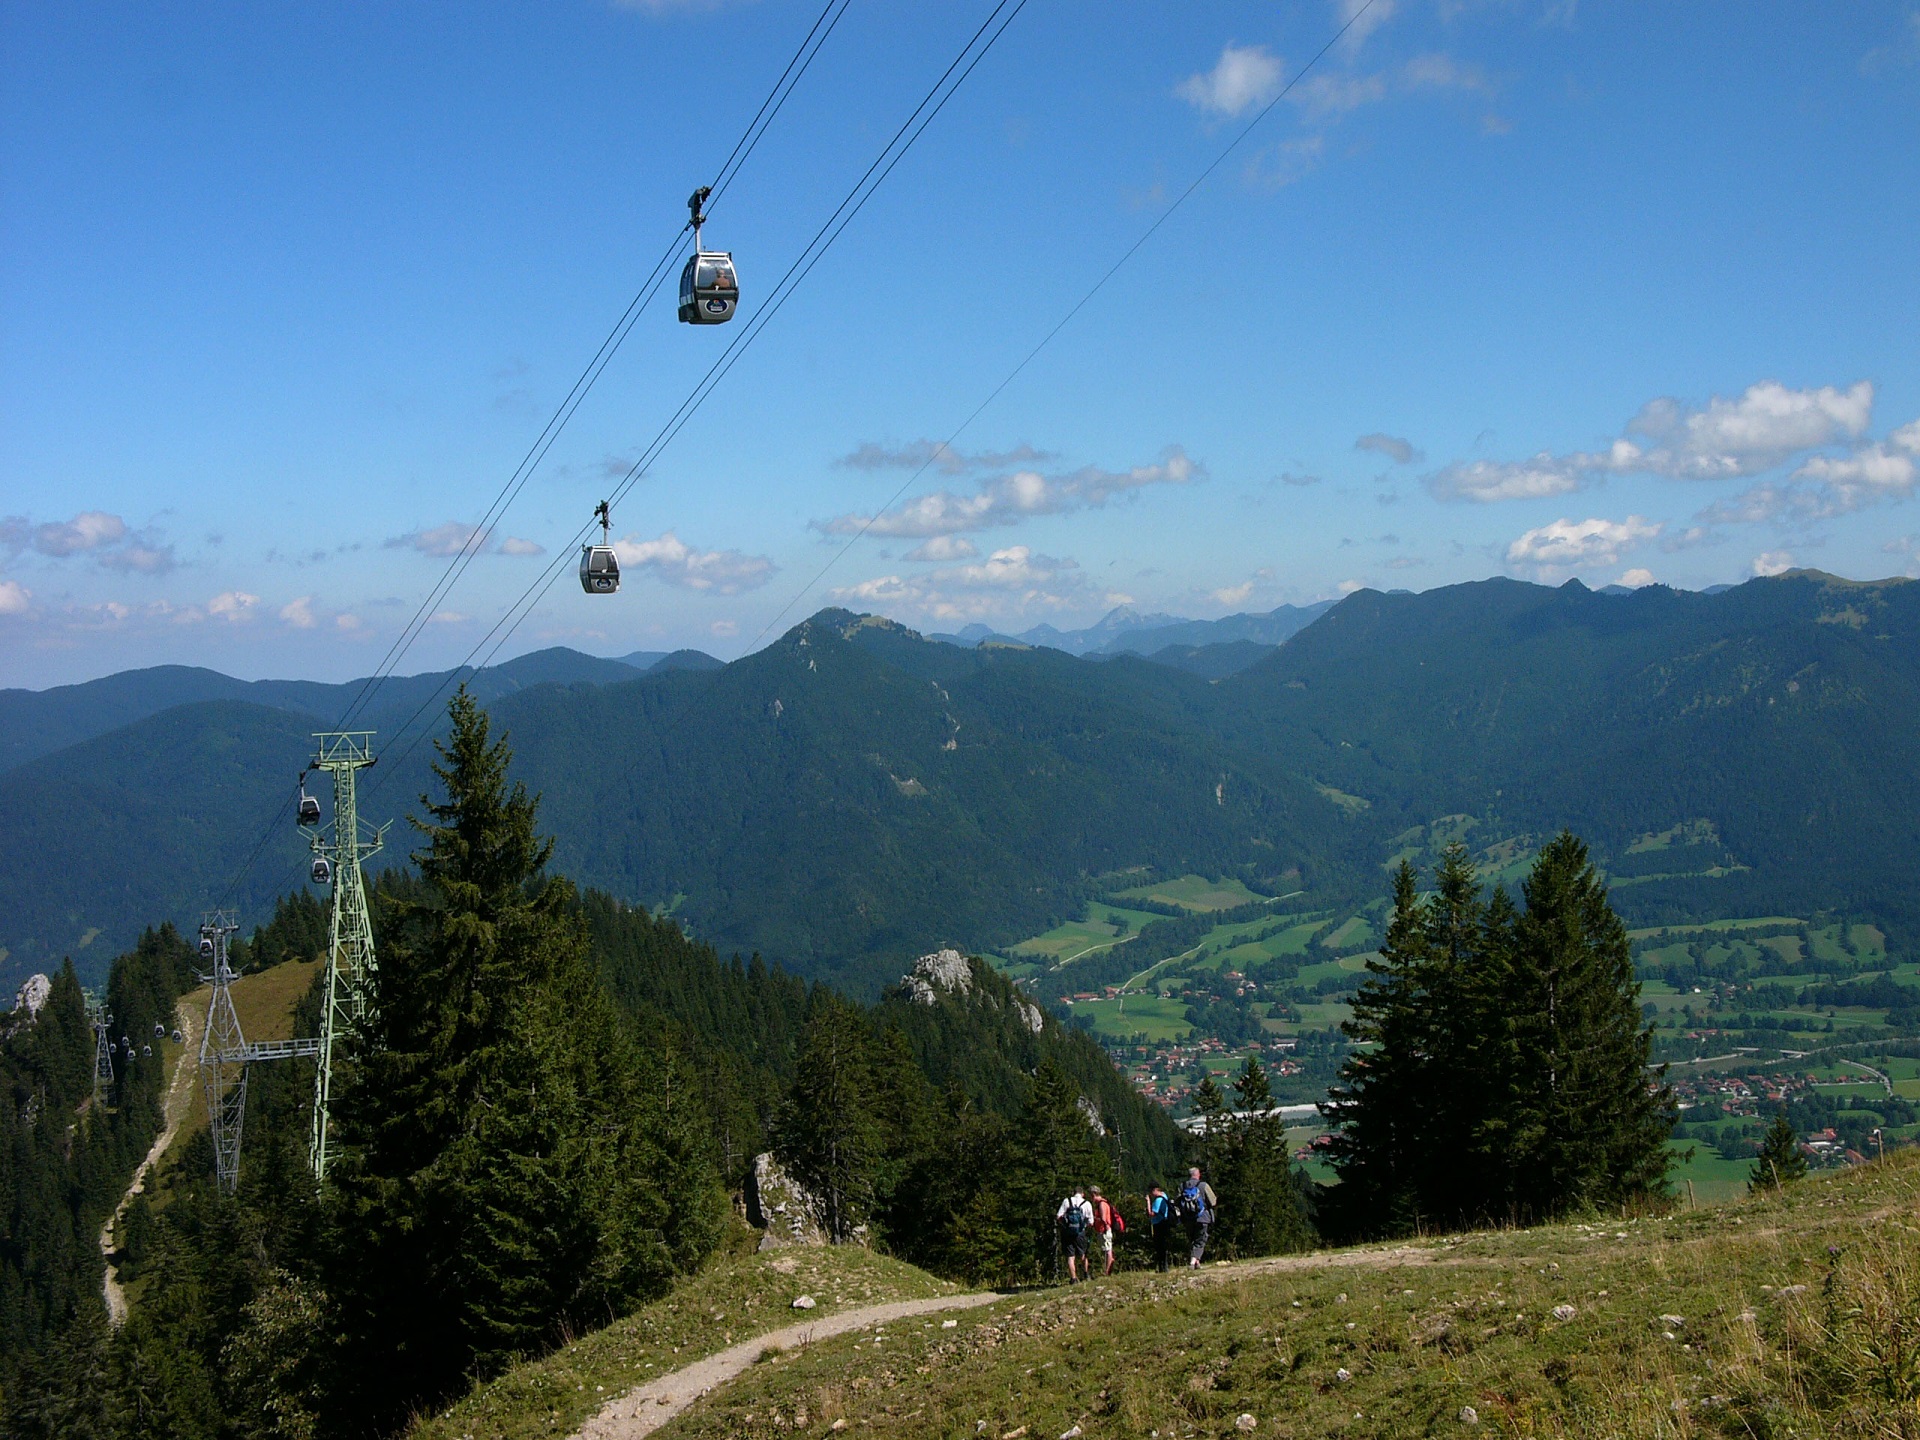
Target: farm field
{"x":1754,"y":1013}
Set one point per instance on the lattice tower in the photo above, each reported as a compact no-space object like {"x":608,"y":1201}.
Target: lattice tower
{"x":223,"y":1054}
{"x":344,"y":845}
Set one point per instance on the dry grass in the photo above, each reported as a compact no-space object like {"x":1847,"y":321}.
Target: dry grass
{"x":1790,"y":1316}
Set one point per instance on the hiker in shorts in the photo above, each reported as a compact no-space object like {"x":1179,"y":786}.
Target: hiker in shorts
{"x":1074,"y":1220}
{"x":1197,"y":1206}
{"x":1160,"y":1221}
{"x":1107,"y":1224}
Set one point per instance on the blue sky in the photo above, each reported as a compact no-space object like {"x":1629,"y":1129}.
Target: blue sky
{"x":1619,"y":292}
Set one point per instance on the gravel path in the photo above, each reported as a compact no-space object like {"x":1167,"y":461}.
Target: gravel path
{"x":179,"y":1100}
{"x":644,"y":1409}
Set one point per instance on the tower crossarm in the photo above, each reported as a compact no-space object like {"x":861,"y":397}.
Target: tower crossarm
{"x":282,"y":1049}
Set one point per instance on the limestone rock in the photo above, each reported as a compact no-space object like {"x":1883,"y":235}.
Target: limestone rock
{"x":31,"y":996}
{"x":943,"y":970}
{"x":781,"y":1206}
{"x":1091,"y":1114}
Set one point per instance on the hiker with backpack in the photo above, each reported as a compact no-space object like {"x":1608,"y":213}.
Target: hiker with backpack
{"x":1197,"y":1206}
{"x":1160,"y":1221}
{"x":1107,"y":1224}
{"x":1074,"y":1220}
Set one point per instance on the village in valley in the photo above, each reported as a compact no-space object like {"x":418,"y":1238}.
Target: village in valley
{"x":1752,"y":1016}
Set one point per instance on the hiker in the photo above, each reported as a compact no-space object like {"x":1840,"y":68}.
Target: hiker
{"x":1107,"y":1223}
{"x":1160,"y":1221}
{"x":1074,"y":1219}
{"x":1197,"y":1206}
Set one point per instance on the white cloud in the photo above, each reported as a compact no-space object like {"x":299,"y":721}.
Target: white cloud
{"x":1401,"y":452}
{"x":1490,"y":480}
{"x":1008,"y":499}
{"x":1328,"y":95}
{"x":89,"y":530}
{"x":1825,"y":486}
{"x":1233,"y":594}
{"x":1347,"y":587}
{"x":447,"y":617}
{"x":1279,"y":165}
{"x":348,"y":623}
{"x":298,"y":613}
{"x":15,"y":598}
{"x":94,"y":532}
{"x":1763,"y":427}
{"x":724,"y":629}
{"x":943,"y":548}
{"x":442,"y":540}
{"x":514,"y":545}
{"x":1008,"y":582}
{"x":919,"y":454}
{"x":1636,"y":578}
{"x":1365,"y":19}
{"x":1244,"y":78}
{"x":1579,"y":544}
{"x":139,"y":558}
{"x":232,"y":606}
{"x":718,"y":572}
{"x":1773,"y":562}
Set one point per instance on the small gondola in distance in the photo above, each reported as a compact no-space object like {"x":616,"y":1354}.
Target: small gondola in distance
{"x":599,"y":566}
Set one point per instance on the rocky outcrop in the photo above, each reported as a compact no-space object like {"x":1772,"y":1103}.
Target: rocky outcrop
{"x":781,"y":1206}
{"x":943,"y":972}
{"x":948,"y":972}
{"x":31,"y":996}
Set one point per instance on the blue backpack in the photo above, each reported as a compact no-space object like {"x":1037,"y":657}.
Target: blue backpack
{"x":1075,"y":1219}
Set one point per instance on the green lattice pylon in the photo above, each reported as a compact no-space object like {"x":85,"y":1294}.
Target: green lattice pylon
{"x":342,"y":845}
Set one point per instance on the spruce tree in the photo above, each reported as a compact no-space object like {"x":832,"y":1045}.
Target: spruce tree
{"x":1208,"y":1107}
{"x":1261,"y":1211}
{"x":1377,"y":1108}
{"x":829,"y":1132}
{"x":1057,"y":1150}
{"x":1589,"y":1125}
{"x":1780,"y":1161}
{"x":1463,"y":1030}
{"x":505,"y":1173}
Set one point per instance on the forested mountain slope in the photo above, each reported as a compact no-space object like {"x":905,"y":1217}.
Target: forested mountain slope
{"x":38,"y":722}
{"x":1784,"y":713}
{"x":855,"y":794}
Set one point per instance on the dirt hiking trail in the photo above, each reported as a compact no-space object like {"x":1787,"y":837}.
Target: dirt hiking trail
{"x":644,"y":1409}
{"x":174,"y":1111}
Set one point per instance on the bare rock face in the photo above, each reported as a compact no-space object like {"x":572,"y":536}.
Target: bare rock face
{"x":781,"y":1206}
{"x":30,"y":998}
{"x":944,"y":970}
{"x":1091,"y":1114}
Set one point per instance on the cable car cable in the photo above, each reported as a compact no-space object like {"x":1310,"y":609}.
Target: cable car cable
{"x":730,"y":169}
{"x":475,"y":543}
{"x":1047,"y":339}
{"x":796,"y":273}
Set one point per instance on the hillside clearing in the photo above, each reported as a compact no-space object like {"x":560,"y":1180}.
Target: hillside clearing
{"x":737,"y":1298}
{"x":1709,"y":1322}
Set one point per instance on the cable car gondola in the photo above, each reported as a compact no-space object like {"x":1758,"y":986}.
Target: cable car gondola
{"x":599,"y":566}
{"x":709,"y":288}
{"x":309,"y":812}
{"x":322,"y":872}
{"x":206,"y":948}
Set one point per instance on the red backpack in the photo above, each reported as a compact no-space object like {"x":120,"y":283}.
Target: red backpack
{"x":1106,"y":1218}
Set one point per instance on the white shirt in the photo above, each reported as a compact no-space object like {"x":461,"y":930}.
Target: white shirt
{"x":1075,"y":1199}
